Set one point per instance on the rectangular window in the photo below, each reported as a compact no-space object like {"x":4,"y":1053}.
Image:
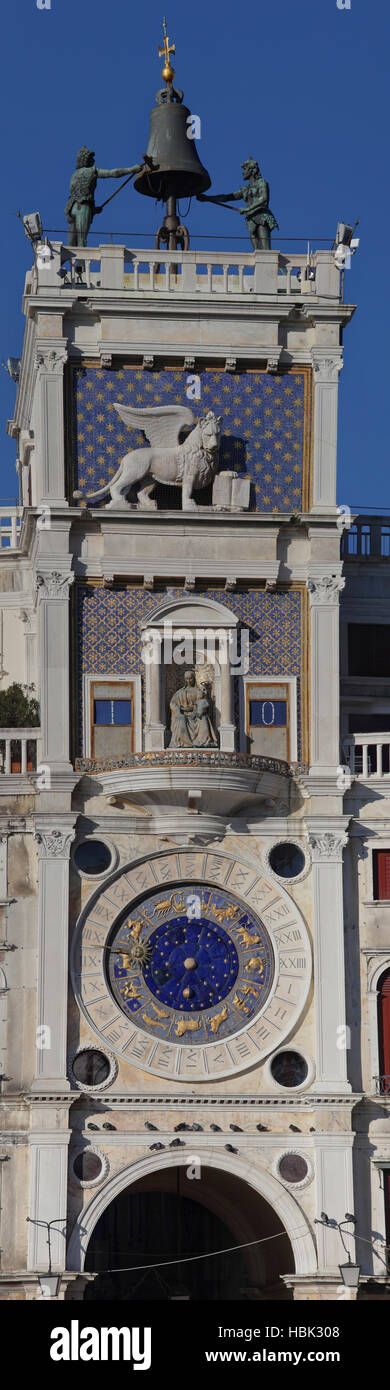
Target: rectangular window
{"x":112,"y":712}
{"x":368,"y":649}
{"x":268,"y":714}
{"x":267,"y":718}
{"x":111,"y":718}
{"x":381,"y":868}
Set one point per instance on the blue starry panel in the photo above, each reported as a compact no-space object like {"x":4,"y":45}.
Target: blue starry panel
{"x":266,"y":428}
{"x":166,"y":965}
{"x":108,"y":634}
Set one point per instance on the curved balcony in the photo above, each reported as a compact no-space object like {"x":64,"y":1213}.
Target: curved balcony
{"x":212,"y":779}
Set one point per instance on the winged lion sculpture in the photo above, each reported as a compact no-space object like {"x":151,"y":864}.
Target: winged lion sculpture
{"x":191,"y":464}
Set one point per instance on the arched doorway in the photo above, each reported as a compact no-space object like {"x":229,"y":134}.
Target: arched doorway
{"x":168,"y":1216}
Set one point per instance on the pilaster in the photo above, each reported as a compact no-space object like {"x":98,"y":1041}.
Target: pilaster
{"x":50,"y":358}
{"x":53,"y":595}
{"x":324,"y":590}
{"x":54,"y":844}
{"x":326,"y":367}
{"x":327,"y":841}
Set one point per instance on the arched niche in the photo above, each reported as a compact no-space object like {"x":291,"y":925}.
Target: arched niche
{"x":203,"y":633}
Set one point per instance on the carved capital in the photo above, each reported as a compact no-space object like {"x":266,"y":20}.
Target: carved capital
{"x":328,"y":846}
{"x":326,"y":369}
{"x":54,"y":585}
{"x":273,"y":363}
{"x":54,"y":844}
{"x":189,"y":364}
{"x":51,"y":360}
{"x":230,"y":364}
{"x":148,"y":361}
{"x":324,"y":589}
{"x":106,"y":359}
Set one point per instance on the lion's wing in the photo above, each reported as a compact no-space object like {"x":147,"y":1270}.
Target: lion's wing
{"x":161,"y":424}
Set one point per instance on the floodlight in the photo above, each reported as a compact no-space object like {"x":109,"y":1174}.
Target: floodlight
{"x":32,"y":223}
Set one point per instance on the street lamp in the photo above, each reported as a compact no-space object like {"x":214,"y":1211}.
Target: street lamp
{"x":49,"y":1283}
{"x":350,"y":1274}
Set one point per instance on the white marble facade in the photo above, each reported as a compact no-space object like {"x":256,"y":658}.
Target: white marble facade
{"x":186,"y":820}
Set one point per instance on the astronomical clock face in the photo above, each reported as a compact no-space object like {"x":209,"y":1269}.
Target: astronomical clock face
{"x":192,"y":965}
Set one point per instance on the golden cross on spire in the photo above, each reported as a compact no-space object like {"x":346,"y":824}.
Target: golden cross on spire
{"x":164,"y":52}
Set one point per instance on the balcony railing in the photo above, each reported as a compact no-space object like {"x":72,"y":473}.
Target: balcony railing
{"x":19,"y":751}
{"x":382,"y":1085}
{"x":10,"y":523}
{"x":186,"y":272}
{"x":368,"y":755}
{"x":367,"y":538}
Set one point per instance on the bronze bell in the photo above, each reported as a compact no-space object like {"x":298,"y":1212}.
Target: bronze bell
{"x":180,"y":173}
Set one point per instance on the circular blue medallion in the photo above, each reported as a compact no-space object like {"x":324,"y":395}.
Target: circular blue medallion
{"x":192,"y":965}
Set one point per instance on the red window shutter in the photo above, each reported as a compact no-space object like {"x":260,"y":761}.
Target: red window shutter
{"x":382,"y":862}
{"x":384,"y":1026}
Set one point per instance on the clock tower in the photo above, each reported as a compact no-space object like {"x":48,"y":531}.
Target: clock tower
{"x":180,"y":810}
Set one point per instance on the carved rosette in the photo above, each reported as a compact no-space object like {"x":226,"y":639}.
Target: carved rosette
{"x":54,"y":585}
{"x":51,"y":360}
{"x":54,"y":844}
{"x":324,"y":589}
{"x":327,"y":847}
{"x":327,"y":369}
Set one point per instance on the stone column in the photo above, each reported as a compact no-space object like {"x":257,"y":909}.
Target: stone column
{"x":326,"y":366}
{"x":227,"y":728}
{"x":325,"y":692}
{"x":332,"y":1037}
{"x":154,"y":724}
{"x":53,"y":593}
{"x":53,"y":911}
{"x":50,"y":359}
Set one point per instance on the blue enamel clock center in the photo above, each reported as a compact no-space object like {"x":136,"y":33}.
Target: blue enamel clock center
{"x":190,"y":961}
{"x":192,"y":965}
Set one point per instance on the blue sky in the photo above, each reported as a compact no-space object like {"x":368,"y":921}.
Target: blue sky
{"x":300,"y":84}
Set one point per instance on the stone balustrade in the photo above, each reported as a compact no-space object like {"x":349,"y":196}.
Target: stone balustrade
{"x":19,"y":751}
{"x":263,"y":273}
{"x":10,"y":522}
{"x":368,"y":755}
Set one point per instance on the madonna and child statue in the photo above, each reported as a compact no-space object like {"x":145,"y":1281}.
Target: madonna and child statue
{"x":191,"y":722}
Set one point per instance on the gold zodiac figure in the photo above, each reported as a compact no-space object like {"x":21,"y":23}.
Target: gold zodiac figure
{"x":224,"y":914}
{"x":246,"y":937}
{"x":239,"y":1004}
{"x":154,"y":1022}
{"x":130,"y":990}
{"x":167,"y":904}
{"x":255,"y":963}
{"x":218,"y":1019}
{"x":248,"y":989}
{"x":187,"y":1025}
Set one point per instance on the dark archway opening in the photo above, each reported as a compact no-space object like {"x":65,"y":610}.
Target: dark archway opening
{"x":170,"y":1217}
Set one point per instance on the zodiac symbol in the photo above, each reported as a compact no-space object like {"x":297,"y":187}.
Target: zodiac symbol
{"x":167,"y":904}
{"x":224,"y":914}
{"x":239,"y":1004}
{"x":130,"y":990}
{"x":255,"y":963}
{"x":249,"y":989}
{"x":153,"y":1022}
{"x":187,"y":1025}
{"x":246,"y":937}
{"x":161,"y":1013}
{"x":218,"y":1019}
